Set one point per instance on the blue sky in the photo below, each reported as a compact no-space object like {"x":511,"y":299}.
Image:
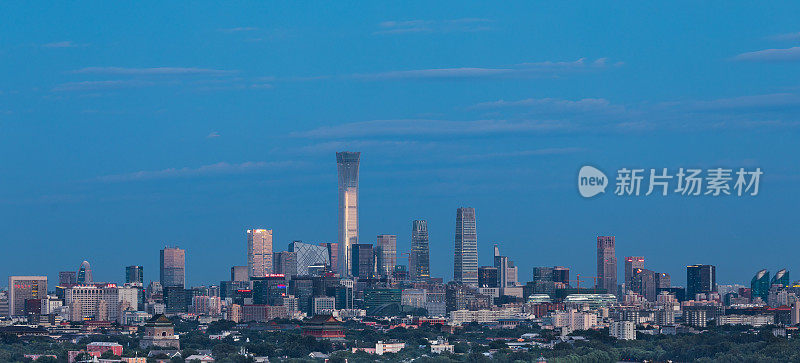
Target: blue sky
{"x":126,"y":127}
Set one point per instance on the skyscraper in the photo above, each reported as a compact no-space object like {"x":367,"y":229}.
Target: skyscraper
{"x":781,"y":278}
{"x":240,"y":273}
{"x":465,"y":259}
{"x":21,"y":288}
{"x":308,"y":255}
{"x":134,"y":274}
{"x":606,"y":264}
{"x":487,"y":276}
{"x":259,"y":252}
{"x":67,"y":278}
{"x":759,"y":285}
{"x":419,"y":260}
{"x":631,"y":264}
{"x":347,"y":164}
{"x":700,"y":279}
{"x":333,"y":254}
{"x":386,"y":251}
{"x":363,"y":260}
{"x":85,"y":273}
{"x":173,"y":267}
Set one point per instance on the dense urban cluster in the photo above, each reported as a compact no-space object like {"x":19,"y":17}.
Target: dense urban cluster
{"x":355,"y":301}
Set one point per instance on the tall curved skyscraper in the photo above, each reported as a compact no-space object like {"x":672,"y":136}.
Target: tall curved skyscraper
{"x":420,"y":251}
{"x":85,"y":273}
{"x":347,"y":163}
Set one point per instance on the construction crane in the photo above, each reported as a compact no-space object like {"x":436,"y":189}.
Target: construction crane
{"x":578,"y":280}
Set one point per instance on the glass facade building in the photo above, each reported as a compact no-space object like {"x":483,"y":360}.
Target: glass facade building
{"x":465,"y":257}
{"x":347,"y":165}
{"x":134,"y":274}
{"x":173,"y":267}
{"x":308,"y":254}
{"x":386,"y":252}
{"x":419,"y":260}
{"x":259,"y":252}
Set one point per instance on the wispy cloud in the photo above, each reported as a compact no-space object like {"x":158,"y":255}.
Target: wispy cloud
{"x":213,"y":135}
{"x":100,"y":85}
{"x":434,"y":26}
{"x":535,"y":69}
{"x":554,"y":105}
{"x":786,"y":36}
{"x":63,"y":44}
{"x":240,"y":29}
{"x":150,"y":71}
{"x":770,"y":55}
{"x":523,"y":153}
{"x":754,"y":102}
{"x":427,"y":127}
{"x":221,"y":168}
{"x":386,"y":146}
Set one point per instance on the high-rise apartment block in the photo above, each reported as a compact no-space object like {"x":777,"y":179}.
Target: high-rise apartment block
{"x":386,"y":252}
{"x":465,"y":259}
{"x":259,"y":252}
{"x":347,"y":165}
{"x":606,"y":264}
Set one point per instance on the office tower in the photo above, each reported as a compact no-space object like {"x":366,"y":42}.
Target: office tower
{"x":386,"y":251}
{"x":631,"y":264}
{"x":285,"y":263}
{"x":67,"y":278}
{"x":487,"y":276}
{"x":309,"y":255}
{"x":465,"y":259}
{"x":259,"y":252}
{"x":561,"y":274}
{"x":501,"y":263}
{"x":240,"y":273}
{"x":21,"y":288}
{"x":173,"y":267}
{"x":606,"y":264}
{"x":347,"y":164}
{"x":700,"y":279}
{"x":333,"y":254}
{"x":363,"y":260}
{"x":134,"y":274}
{"x":643,"y":282}
{"x":85,"y":273}
{"x":419,"y":259}
{"x":663,"y":281}
{"x":759,"y":285}
{"x":781,"y":278}
{"x":543,"y":274}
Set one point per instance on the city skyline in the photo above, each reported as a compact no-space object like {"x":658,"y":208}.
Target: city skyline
{"x":237,"y":118}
